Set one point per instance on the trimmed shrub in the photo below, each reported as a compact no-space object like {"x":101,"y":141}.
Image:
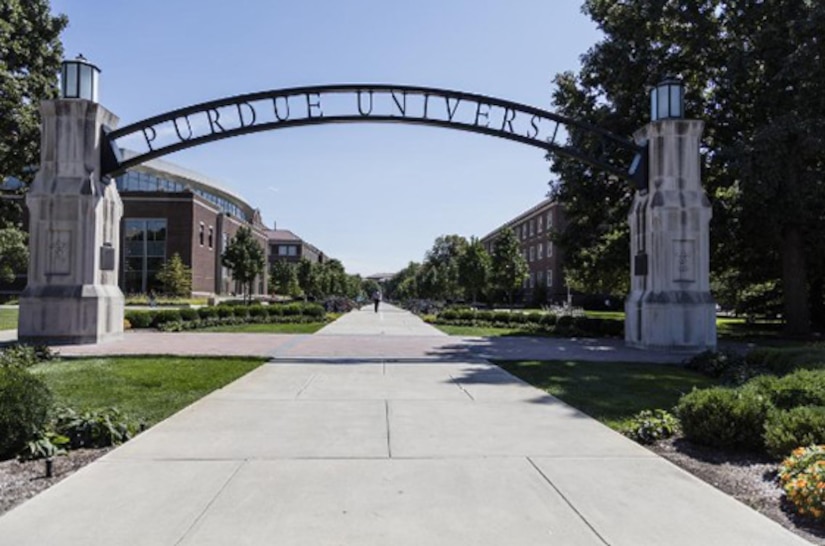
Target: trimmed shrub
{"x":650,"y":426}
{"x":292,"y":309}
{"x":314,"y":310}
{"x":166,"y":315}
{"x":548,"y":320}
{"x":225,"y":311}
{"x":208,"y":312}
{"x":25,"y":403}
{"x":801,"y":388}
{"x":258,"y":311}
{"x":276,"y":310}
{"x":725,"y":418}
{"x":781,"y":361}
{"x":502,"y":317}
{"x":140,"y":319}
{"x":788,"y":429}
{"x":534,"y":317}
{"x":187,"y":313}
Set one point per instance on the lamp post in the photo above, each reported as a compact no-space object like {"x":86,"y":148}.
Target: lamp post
{"x":79,"y":79}
{"x":667,"y":100}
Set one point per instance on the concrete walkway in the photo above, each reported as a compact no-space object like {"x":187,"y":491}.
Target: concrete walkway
{"x":383,"y":451}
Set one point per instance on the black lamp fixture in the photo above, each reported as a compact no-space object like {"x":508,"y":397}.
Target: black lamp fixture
{"x":79,"y":79}
{"x":667,"y":100}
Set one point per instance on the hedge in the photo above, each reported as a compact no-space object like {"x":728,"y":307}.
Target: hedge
{"x":188,"y":319}
{"x":540,"y":323}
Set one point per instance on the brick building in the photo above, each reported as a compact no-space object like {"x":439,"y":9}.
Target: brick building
{"x":533,"y":228}
{"x":169,"y":210}
{"x":284,"y":245}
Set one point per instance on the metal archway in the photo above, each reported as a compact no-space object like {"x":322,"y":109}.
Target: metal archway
{"x":373,"y":103}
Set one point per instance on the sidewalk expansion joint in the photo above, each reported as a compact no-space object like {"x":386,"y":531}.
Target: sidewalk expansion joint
{"x":460,"y":386}
{"x":389,"y":437}
{"x":305,"y":386}
{"x":566,"y":500}
{"x":210,"y":503}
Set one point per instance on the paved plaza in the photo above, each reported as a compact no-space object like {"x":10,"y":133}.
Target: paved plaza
{"x":380,"y":430}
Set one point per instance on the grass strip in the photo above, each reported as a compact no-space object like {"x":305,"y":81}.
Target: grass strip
{"x":611,"y":392}
{"x":8,"y":319}
{"x":147,"y":389}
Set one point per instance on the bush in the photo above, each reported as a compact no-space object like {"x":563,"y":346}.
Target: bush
{"x":725,"y":418}
{"x":22,"y":356}
{"x":650,"y":426}
{"x":731,"y":367}
{"x":313,"y":310}
{"x":801,"y":388}
{"x":787,"y":429}
{"x":208,"y":312}
{"x":781,"y":361}
{"x":93,"y":429}
{"x":805,"y":488}
{"x":548,"y":320}
{"x":187,"y":313}
{"x":799,"y":460}
{"x":225,"y":311}
{"x":166,"y":315}
{"x":25,"y":403}
{"x":339,"y":304}
{"x":258,"y":311}
{"x":140,"y":319}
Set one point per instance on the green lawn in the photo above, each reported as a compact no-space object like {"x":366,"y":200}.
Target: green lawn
{"x":267,"y":328}
{"x":146,"y":389}
{"x":8,"y":319}
{"x":481,"y":331}
{"x":612,"y":392}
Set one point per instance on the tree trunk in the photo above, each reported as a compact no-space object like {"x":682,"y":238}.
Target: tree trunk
{"x":794,"y":282}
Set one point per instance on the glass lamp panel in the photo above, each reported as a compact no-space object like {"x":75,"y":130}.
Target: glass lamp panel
{"x":676,"y":101}
{"x":663,"y":102}
{"x":70,"y":80}
{"x":86,"y":75}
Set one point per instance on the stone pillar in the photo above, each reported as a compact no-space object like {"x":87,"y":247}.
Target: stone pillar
{"x":670,"y":305}
{"x":72,"y":294}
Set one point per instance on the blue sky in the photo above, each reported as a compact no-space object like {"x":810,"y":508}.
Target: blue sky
{"x":373,"y":196}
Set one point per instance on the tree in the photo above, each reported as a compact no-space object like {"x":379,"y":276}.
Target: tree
{"x":509,"y":266}
{"x":30,"y":57}
{"x":403,"y":285}
{"x":308,"y":278}
{"x":14,"y":253}
{"x":753,"y":70}
{"x":441,"y":266}
{"x":283,"y":279}
{"x":175,"y":277}
{"x":244,"y":256}
{"x":474,"y":267}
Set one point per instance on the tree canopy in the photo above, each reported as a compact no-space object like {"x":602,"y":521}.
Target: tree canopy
{"x":245,"y":257}
{"x":754,"y":72}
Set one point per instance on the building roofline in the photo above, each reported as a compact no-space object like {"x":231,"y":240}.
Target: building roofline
{"x":191,"y":178}
{"x":529,"y":212}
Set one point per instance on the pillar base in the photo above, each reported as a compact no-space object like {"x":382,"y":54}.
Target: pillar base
{"x":71,"y":315}
{"x":680,"y":321}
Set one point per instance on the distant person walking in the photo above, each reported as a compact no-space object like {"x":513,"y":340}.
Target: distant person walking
{"x":376,"y":298}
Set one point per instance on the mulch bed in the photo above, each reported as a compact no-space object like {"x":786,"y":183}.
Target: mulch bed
{"x":749,"y":478}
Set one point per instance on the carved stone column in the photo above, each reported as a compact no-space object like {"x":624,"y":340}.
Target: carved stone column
{"x":670,"y":305}
{"x":72,"y":294}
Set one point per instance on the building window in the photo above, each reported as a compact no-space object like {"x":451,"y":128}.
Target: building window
{"x":201,"y":229}
{"x":540,"y":224}
{"x":549,"y":219}
{"x":540,"y":251}
{"x":549,"y":250}
{"x":532,"y":228}
{"x":523,"y":231}
{"x":211,"y":236}
{"x":144,"y":253}
{"x":532,"y":279}
{"x":549,"y":278}
{"x":532,"y":253}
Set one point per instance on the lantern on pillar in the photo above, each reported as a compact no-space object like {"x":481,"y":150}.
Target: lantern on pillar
{"x":667,"y":100}
{"x":79,"y":79}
